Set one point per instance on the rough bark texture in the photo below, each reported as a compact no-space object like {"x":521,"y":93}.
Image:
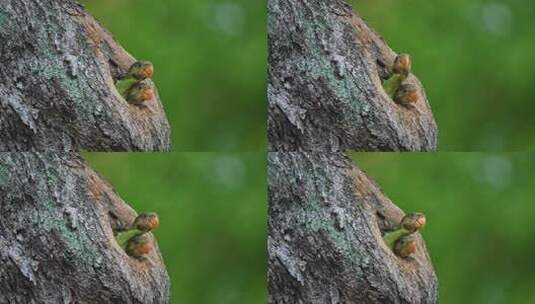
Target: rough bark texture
{"x":325,"y":243}
{"x":56,"y":237}
{"x":57,"y":84}
{"x":324,"y":86}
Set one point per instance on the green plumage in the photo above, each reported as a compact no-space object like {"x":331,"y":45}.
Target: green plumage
{"x":392,"y":237}
{"x":124,"y":85}
{"x":392,"y":84}
{"x":124,"y":236}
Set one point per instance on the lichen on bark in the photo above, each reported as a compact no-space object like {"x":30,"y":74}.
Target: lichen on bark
{"x":324,"y":84}
{"x":57,"y":244}
{"x":325,"y":224}
{"x":57,"y":88}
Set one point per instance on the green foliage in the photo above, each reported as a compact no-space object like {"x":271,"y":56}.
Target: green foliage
{"x":480,"y":214}
{"x":210,"y":65}
{"x":213,"y":222}
{"x":475,"y":60}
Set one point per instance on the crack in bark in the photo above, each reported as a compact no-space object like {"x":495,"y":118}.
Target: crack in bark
{"x":325,"y":244}
{"x":324,"y":84}
{"x":57,"y":242}
{"x":57,"y":88}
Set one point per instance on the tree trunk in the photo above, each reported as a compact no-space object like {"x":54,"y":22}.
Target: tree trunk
{"x":57,"y":87}
{"x":326,"y":219}
{"x":324,"y":84}
{"x":57,"y":243}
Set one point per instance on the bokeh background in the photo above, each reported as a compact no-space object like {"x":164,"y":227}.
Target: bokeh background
{"x":210,"y":65}
{"x":213,"y":218}
{"x":476,"y":60}
{"x":480,"y":218}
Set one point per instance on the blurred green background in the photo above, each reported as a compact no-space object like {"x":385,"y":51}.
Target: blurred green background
{"x":476,"y":60}
{"x":480,"y":217}
{"x":210,"y":65}
{"x":213,"y":220}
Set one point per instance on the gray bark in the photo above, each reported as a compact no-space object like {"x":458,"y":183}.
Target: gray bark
{"x":324,"y":84}
{"x":57,"y":245}
{"x":326,"y":219}
{"x":56,"y":84}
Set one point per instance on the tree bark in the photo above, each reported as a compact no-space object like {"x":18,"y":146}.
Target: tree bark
{"x":326,"y":219}
{"x":57,"y":87}
{"x":324,"y":84}
{"x":57,"y":245}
